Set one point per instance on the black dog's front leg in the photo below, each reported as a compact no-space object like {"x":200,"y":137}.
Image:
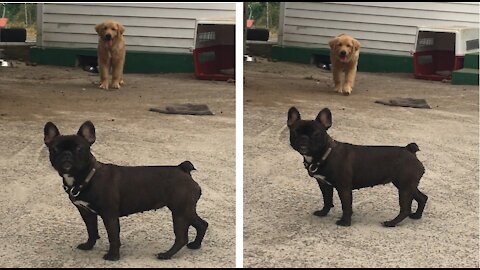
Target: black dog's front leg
{"x":327,"y":192}
{"x":91,"y":222}
{"x":112,"y":224}
{"x":346,"y":199}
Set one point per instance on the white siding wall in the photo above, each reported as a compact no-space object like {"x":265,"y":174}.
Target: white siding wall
{"x":381,"y":27}
{"x":167,"y":27}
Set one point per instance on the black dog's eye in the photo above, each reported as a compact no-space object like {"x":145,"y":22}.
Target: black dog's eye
{"x":317,"y":134}
{"x":349,"y":45}
{"x":105,"y":28}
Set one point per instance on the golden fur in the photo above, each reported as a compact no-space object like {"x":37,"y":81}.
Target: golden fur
{"x":111,"y":52}
{"x":344,"y":53}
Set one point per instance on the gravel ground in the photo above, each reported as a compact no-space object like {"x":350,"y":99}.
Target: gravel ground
{"x":39,"y":227}
{"x":280,"y":230}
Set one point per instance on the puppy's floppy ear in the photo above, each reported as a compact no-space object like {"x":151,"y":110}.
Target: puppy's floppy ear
{"x":50,"y":131}
{"x":333,"y":43}
{"x":325,"y":118}
{"x":87,"y":131}
{"x":356,"y":44}
{"x":293,"y":116}
{"x":98,"y":28}
{"x":121,"y":29}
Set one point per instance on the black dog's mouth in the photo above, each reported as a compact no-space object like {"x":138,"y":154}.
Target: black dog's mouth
{"x":67,"y":166}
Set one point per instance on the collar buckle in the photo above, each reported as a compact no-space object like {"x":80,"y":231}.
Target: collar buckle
{"x":73,"y":193}
{"x":71,"y":190}
{"x":313,"y":168}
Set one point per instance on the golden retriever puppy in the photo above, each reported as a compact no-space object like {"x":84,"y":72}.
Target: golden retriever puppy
{"x":344,"y":53}
{"x":111,"y":52}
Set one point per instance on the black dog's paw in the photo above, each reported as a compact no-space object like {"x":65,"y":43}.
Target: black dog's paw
{"x":389,"y":224}
{"x":415,"y":216}
{"x":343,"y":223}
{"x":194,"y":245}
{"x":86,"y":246}
{"x":164,"y":256}
{"x":322,"y":212}
{"x":110,"y":256}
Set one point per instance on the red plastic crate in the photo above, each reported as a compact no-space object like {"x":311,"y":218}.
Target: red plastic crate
{"x":212,"y":63}
{"x":440,"y":50}
{"x":427,"y":64}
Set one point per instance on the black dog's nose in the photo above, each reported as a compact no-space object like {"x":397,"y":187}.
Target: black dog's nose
{"x":343,"y":53}
{"x":303,"y":148}
{"x":108,"y":36}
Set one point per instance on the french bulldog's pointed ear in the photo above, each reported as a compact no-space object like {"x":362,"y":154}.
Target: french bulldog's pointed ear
{"x":50,"y":131}
{"x":87,"y":131}
{"x":293,"y":116}
{"x":325,"y":118}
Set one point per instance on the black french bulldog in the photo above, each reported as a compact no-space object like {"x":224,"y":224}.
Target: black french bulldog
{"x":111,"y":191}
{"x":346,"y":166}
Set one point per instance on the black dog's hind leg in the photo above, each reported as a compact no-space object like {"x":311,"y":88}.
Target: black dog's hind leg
{"x":422,"y":201}
{"x":201,"y":226}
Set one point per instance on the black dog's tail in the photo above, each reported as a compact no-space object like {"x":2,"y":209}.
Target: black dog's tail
{"x":186,"y":166}
{"x":412,"y":148}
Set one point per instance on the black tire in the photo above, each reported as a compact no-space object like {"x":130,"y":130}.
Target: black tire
{"x":259,"y":34}
{"x":13,"y":34}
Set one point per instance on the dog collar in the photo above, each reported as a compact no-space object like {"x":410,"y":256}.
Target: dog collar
{"x":313,"y":167}
{"x":75,"y":191}
{"x":316,"y":165}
